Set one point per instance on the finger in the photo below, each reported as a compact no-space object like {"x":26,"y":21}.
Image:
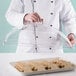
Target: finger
{"x":73,"y":42}
{"x":33,"y":19}
{"x":29,"y":20}
{"x":37,"y":16}
{"x":71,"y":36}
{"x":41,"y":20}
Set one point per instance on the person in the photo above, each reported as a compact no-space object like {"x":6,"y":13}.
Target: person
{"x":43,"y":37}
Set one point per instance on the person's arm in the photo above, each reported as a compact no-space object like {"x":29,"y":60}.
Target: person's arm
{"x":68,"y":18}
{"x":15,"y":13}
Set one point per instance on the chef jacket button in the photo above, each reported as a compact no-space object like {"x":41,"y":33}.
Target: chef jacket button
{"x":51,"y":25}
{"x":34,"y":0}
{"x":50,"y":37}
{"x":35,"y":48}
{"x":36,"y":36}
{"x":50,"y":48}
{"x":51,"y":13}
{"x":51,"y":1}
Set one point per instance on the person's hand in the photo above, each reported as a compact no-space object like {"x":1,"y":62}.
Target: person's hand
{"x":33,"y":17}
{"x":72,"y":39}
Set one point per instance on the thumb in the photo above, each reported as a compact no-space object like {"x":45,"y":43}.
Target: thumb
{"x":71,"y":37}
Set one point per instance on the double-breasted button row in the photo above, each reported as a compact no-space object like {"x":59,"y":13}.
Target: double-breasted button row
{"x":49,"y":37}
{"x":51,"y":13}
{"x":51,"y":1}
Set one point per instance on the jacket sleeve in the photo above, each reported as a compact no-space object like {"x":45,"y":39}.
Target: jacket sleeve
{"x":68,"y":16}
{"x":15,"y":13}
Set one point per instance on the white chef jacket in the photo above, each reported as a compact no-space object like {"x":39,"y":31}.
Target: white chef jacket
{"x":54,"y":13}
